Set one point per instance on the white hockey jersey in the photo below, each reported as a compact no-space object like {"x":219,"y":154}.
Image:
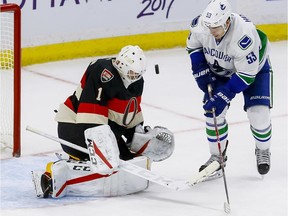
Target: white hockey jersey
{"x":242,"y":49}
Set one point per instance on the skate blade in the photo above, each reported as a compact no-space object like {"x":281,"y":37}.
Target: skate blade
{"x":36,"y":178}
{"x":215,"y":175}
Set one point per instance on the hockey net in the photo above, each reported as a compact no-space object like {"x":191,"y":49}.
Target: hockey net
{"x":10,"y":70}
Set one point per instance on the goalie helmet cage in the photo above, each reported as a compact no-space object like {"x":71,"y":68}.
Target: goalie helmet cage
{"x":10,"y":59}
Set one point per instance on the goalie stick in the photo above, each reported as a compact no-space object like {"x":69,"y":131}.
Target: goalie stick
{"x":144,"y":173}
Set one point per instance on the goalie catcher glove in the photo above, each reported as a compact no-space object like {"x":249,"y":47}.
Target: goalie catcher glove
{"x":157,"y":143}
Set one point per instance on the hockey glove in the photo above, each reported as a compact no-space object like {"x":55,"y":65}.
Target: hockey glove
{"x":157,"y":143}
{"x":219,"y":101}
{"x":203,"y":77}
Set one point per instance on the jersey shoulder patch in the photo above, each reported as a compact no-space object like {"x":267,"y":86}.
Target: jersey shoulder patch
{"x":245,"y":42}
{"x":106,"y":76}
{"x":196,"y":25}
{"x":195,"y":22}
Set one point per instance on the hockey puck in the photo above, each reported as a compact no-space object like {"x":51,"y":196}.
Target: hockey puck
{"x":157,"y":69}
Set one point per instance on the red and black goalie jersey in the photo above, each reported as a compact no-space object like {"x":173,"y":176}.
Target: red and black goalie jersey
{"x":101,"y":98}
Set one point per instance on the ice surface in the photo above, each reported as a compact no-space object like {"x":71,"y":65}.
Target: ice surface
{"x":170,"y":99}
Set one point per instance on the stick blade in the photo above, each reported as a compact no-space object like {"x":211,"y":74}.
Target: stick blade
{"x":204,"y":174}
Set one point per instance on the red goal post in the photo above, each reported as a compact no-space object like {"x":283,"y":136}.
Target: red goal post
{"x":10,"y":58}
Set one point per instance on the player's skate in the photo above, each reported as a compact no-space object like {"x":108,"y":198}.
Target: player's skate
{"x":218,"y":173}
{"x":263,"y":160}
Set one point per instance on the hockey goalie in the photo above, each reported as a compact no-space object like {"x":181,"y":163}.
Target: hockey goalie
{"x":104,"y":117}
{"x":100,"y":176}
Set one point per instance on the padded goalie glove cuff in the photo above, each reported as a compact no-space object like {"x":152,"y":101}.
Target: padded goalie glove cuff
{"x":157,"y":143}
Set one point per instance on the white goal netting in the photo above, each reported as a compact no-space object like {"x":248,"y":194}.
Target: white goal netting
{"x":6,"y":80}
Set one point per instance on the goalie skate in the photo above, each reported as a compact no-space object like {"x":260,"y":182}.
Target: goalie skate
{"x":42,"y":183}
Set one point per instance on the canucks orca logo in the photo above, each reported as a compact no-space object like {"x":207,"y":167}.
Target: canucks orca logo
{"x":222,"y":6}
{"x":195,"y":21}
{"x":245,"y":42}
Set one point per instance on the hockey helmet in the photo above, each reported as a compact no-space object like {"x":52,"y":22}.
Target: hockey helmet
{"x":131,"y":64}
{"x":217,"y":13}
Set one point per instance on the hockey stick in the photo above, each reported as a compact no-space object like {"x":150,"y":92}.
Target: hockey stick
{"x":226,"y":204}
{"x":139,"y":171}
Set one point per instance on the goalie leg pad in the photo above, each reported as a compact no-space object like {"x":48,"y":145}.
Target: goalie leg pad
{"x":75,"y":178}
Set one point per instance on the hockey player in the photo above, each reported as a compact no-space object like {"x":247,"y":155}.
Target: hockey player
{"x":230,"y":54}
{"x":105,"y":113}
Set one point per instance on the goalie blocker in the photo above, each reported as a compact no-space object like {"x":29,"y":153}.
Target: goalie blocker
{"x":100,"y":176}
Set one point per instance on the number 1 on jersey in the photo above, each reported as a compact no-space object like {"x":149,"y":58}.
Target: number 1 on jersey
{"x":98,"y":98}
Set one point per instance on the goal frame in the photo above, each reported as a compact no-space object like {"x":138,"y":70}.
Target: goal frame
{"x":15,"y":9}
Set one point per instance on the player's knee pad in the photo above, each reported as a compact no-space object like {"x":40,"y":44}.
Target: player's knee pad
{"x":259,"y":116}
{"x":156,"y":144}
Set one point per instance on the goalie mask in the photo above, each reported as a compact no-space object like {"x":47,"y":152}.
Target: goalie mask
{"x":157,"y":144}
{"x":131,"y":64}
